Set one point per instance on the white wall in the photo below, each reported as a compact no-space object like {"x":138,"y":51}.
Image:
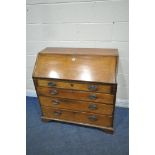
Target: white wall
{"x":79,"y":23}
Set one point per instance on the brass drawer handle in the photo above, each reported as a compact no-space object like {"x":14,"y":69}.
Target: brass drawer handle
{"x":92,"y":118}
{"x":92,"y":106}
{"x":55,"y":102}
{"x":92,"y":87}
{"x":92,"y":96}
{"x":54,"y":92}
{"x":57,"y":113}
{"x":51,"y":84}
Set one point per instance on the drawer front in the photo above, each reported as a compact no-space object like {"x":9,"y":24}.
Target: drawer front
{"x":78,"y":95}
{"x":79,"y":117}
{"x":76,"y":86}
{"x":61,"y":103}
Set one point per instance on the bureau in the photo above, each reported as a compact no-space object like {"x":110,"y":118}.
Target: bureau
{"x":77,"y":85}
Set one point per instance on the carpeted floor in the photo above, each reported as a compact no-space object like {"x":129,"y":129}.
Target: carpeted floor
{"x":56,"y":138}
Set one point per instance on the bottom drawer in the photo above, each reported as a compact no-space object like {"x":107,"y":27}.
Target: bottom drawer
{"x":79,"y":117}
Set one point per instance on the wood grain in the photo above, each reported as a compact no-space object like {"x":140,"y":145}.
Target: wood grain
{"x":82,"y":66}
{"x":75,"y":116}
{"x":75,"y":85}
{"x":78,"y":95}
{"x":81,"y":51}
{"x":76,"y":105}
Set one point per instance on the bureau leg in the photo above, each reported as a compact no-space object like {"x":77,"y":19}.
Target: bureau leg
{"x":108,"y":131}
{"x":45,"y":120}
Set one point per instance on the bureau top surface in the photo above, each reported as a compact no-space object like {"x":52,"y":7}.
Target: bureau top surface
{"x":80,"y":64}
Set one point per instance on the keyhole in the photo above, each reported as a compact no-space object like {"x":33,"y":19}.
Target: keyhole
{"x":72,"y":85}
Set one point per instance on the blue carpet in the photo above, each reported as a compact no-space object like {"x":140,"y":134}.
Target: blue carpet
{"x":56,"y":138}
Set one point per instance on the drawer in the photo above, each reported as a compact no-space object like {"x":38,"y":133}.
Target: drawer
{"x":77,"y":117}
{"x":76,"y":105}
{"x":78,"y":95}
{"x":76,"y":85}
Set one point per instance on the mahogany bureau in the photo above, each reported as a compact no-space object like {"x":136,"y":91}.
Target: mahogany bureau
{"x":77,"y":85}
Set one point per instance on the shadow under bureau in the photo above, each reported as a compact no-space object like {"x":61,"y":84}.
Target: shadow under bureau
{"x":77,"y":85}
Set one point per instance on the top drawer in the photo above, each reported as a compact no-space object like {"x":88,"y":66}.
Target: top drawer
{"x":105,"y":88}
